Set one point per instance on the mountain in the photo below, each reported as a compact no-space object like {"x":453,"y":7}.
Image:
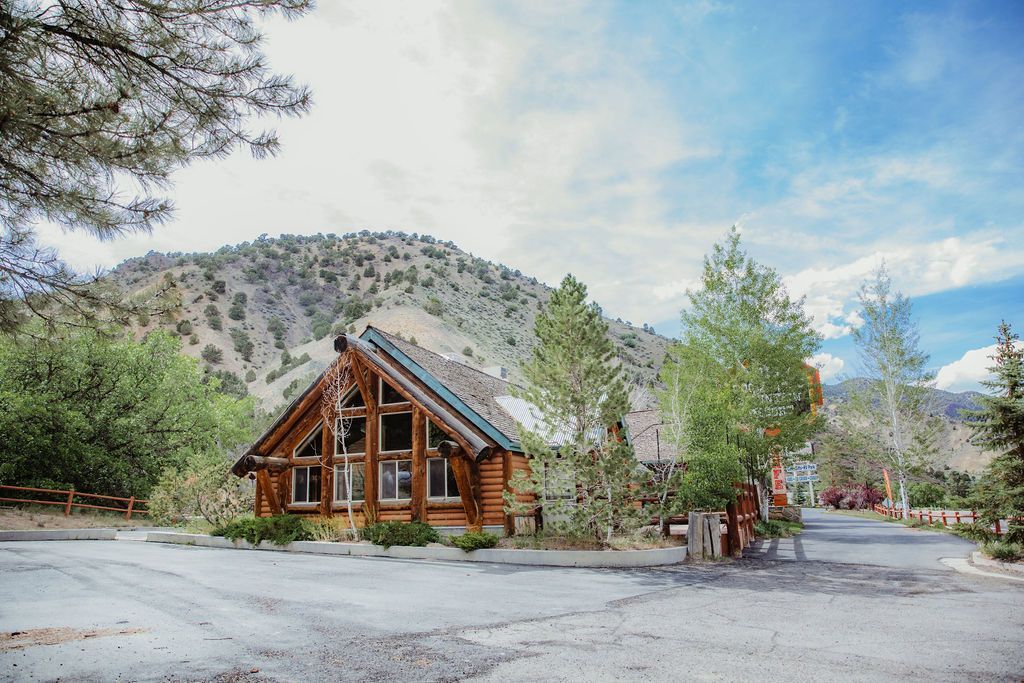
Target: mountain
{"x":954,"y":442}
{"x":263,"y":313}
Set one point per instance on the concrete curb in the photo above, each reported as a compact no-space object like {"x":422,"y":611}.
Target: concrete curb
{"x":978,"y":559}
{"x":547,"y":558}
{"x":59,"y":535}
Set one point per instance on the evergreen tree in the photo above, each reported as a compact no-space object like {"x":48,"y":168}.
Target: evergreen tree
{"x":99,"y":96}
{"x":999,"y":427}
{"x":581,"y":471}
{"x":893,"y":405}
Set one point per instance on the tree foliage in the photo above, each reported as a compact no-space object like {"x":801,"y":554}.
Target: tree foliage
{"x":580,"y":470}
{"x":97,"y":96}
{"x":892,"y":407}
{"x":739,"y":368}
{"x":999,"y":427}
{"x":107,"y":415}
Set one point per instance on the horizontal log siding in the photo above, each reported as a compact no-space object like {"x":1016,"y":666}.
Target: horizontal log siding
{"x":492,"y":484}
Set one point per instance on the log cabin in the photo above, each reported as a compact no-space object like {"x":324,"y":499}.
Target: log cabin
{"x":397,"y":432}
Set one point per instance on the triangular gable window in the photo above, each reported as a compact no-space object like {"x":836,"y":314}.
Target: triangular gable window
{"x":354,"y":399}
{"x":312,"y":445}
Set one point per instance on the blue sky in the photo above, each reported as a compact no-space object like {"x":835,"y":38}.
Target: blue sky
{"x":619,"y":141}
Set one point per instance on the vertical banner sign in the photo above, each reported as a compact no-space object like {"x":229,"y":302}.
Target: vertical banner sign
{"x":778,"y":480}
{"x":888,"y":487}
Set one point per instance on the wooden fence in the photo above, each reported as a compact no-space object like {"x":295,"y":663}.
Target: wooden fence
{"x":67,"y":500}
{"x":947,"y":517}
{"x":740,"y":517}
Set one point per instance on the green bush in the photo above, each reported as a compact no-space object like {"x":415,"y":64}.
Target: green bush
{"x":1003,"y":551}
{"x":974,"y":532}
{"x":474,"y":540}
{"x":776,"y":528}
{"x":388,"y":534}
{"x":279,"y":529}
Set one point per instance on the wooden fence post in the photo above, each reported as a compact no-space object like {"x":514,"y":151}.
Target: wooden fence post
{"x":131,"y":504}
{"x":71,"y":498}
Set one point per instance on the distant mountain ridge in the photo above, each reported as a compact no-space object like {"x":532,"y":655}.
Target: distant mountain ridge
{"x":262,"y":313}
{"x":954,"y":444}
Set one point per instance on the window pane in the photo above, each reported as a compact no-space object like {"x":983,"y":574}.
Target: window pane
{"x":396,"y":432}
{"x":314,"y":484}
{"x":312,"y":446}
{"x":404,"y":478}
{"x":387,"y":480}
{"x":354,"y":399}
{"x":351,"y":436}
{"x":435,"y":477}
{"x":300,"y":484}
{"x":357,"y":472}
{"x":389,"y":395}
{"x":453,"y":486}
{"x":434,"y":435}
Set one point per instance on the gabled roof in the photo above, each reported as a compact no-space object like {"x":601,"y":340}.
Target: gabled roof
{"x":472,"y":393}
{"x":648,"y":436}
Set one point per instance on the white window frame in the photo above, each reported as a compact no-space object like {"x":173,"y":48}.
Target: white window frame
{"x":305,"y":440}
{"x":448,"y":495}
{"x":306,"y":503}
{"x":337,"y":434}
{"x":348,"y":462}
{"x":380,"y":479}
{"x":380,"y":432}
{"x":380,"y":393}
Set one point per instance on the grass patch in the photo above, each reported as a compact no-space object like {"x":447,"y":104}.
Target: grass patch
{"x":1004,"y":551}
{"x":777,"y":528}
{"x":330,"y":529}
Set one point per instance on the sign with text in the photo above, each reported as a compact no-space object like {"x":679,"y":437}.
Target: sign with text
{"x":778,"y":481}
{"x":802,"y":478}
{"x":804,"y":468}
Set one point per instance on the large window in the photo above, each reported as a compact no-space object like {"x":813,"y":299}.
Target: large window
{"x":306,"y":485}
{"x":395,"y":432}
{"x":312,"y":446}
{"x":434,"y":436}
{"x":396,"y":480}
{"x":346,"y":473}
{"x":441,"y":479}
{"x":351,"y":436}
{"x":388,"y":394}
{"x":353,"y":399}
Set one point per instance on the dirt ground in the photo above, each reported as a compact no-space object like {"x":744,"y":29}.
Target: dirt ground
{"x":41,"y":518}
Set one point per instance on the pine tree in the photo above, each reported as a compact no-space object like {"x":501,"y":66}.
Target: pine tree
{"x":581,"y":471}
{"x":999,"y":427}
{"x":97,"y":97}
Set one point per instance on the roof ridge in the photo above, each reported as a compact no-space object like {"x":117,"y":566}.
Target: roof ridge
{"x":443,"y":357}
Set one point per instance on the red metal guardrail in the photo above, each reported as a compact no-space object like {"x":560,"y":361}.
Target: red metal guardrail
{"x":68,"y":500}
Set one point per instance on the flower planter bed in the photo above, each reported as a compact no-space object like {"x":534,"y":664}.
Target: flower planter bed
{"x":550,"y":558}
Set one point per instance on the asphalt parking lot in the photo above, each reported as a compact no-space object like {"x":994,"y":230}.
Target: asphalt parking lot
{"x":126,"y":610}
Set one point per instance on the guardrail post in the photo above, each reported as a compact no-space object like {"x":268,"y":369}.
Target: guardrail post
{"x":131,"y":504}
{"x":71,"y":498}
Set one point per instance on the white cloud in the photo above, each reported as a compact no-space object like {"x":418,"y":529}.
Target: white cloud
{"x":829,"y":365}
{"x":967,"y":372}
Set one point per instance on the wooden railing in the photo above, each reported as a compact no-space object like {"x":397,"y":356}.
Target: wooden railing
{"x":947,"y":517}
{"x":740,"y":518}
{"x":68,"y":502}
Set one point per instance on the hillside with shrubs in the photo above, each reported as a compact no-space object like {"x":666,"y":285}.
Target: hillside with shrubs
{"x":260,"y":315}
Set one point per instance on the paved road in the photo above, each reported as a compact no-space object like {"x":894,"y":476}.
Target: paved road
{"x":836,"y":537}
{"x":208,"y":614}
